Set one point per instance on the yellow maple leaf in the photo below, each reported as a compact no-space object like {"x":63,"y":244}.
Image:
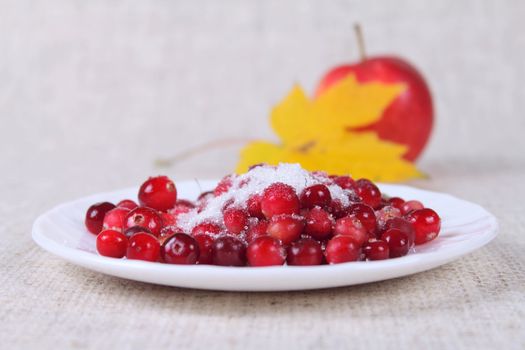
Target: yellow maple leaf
{"x":314,"y":133}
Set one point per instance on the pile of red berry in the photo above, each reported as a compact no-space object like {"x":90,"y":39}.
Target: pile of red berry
{"x":268,"y":216}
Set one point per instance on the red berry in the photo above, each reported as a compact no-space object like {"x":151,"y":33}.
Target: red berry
{"x":205,"y":197}
{"x":365,"y":214}
{"x":386,"y":213}
{"x":342,"y":249}
{"x":410,"y":206}
{"x":426,"y":223}
{"x":316,"y":195}
{"x":397,"y":241}
{"x":235,"y":220}
{"x":305,"y":251}
{"x":95,"y":216}
{"x":112,"y":243}
{"x":228,"y":251}
{"x":396,"y":202}
{"x":184,"y":203}
{"x":337,"y":209}
{"x":286,"y":228}
{"x":145,"y":217}
{"x":115,"y":219}
{"x":180,"y":249}
{"x":134,"y":229}
{"x":167,"y":232}
{"x":158,"y":193}
{"x":369,"y":193}
{"x":319,"y":223}
{"x":376,"y":250}
{"x":180,"y":208}
{"x":346,"y":183}
{"x":351,"y":226}
{"x":254,"y":206}
{"x":224,"y":185}
{"x":256,"y":229}
{"x":402,"y":225}
{"x":206,"y":228}
{"x":265,"y":251}
{"x":168,"y":219}
{"x":127,"y":203}
{"x":143,"y":246}
{"x":279,"y":198}
{"x":205,"y":243}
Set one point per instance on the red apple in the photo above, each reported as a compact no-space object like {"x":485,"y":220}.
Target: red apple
{"x":408,"y":119}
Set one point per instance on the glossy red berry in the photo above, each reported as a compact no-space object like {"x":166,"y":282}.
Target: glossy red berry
{"x":158,"y":193}
{"x":337,"y":209}
{"x":319,"y":223}
{"x":130,"y":231}
{"x":351,"y":226}
{"x":386,"y":213}
{"x":369,"y":193}
{"x":235,"y":220}
{"x":143,"y":246}
{"x":145,"y":217}
{"x":346,"y":183}
{"x":256,"y":229}
{"x":286,"y":228}
{"x":396,"y":202}
{"x":365,"y":214}
{"x":224,"y":185}
{"x":128,"y":204}
{"x":205,"y":243}
{"x":402,"y":225}
{"x":376,"y":250}
{"x":115,"y":219}
{"x":342,"y":249}
{"x":410,"y":206}
{"x":305,"y":251}
{"x":265,"y":251}
{"x":316,"y":195}
{"x":254,"y":206}
{"x":228,"y":251}
{"x":426,"y":223}
{"x":397,"y":241}
{"x":95,"y":216}
{"x":180,"y":249}
{"x":112,"y":243}
{"x":278,"y":199}
{"x":168,"y":219}
{"x":206,"y":228}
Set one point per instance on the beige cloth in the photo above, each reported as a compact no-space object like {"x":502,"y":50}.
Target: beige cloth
{"x":92,"y":92}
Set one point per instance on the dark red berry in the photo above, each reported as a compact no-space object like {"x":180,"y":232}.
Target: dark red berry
{"x":365,"y":214}
{"x":410,"y":206}
{"x":345,"y":182}
{"x":256,"y":229}
{"x":305,"y":251}
{"x":228,"y":251}
{"x":396,"y":202}
{"x":254,"y":206}
{"x":403,"y":225}
{"x":167,"y":232}
{"x":351,"y":226}
{"x":397,"y":241}
{"x":112,"y":243}
{"x":180,"y":249}
{"x":115,"y":219}
{"x":158,"y":193}
{"x":265,"y":251}
{"x":319,"y":223}
{"x":205,"y":243}
{"x":286,"y":228}
{"x":130,"y":231}
{"x":206,"y":228}
{"x":369,"y":193}
{"x":127,"y":203}
{"x":426,"y":223}
{"x":95,"y":216}
{"x":235,"y":220}
{"x":316,"y":195}
{"x":143,"y":246}
{"x":337,"y":209}
{"x":145,"y":217}
{"x":376,"y":250}
{"x":386,"y":213}
{"x":342,"y":249}
{"x":168,"y":219}
{"x":279,"y":198}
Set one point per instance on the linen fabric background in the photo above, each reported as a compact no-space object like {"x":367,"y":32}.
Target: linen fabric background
{"x":92,"y":92}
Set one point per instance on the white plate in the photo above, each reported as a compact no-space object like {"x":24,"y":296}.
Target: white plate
{"x":465,"y":228}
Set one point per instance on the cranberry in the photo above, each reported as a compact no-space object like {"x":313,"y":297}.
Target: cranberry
{"x":386,"y":213}
{"x":127,"y":203}
{"x":319,"y":223}
{"x":287,"y":228}
{"x":369,"y":193}
{"x":167,"y":232}
{"x":265,"y":251}
{"x":256,"y":229}
{"x":346,"y":183}
{"x":337,"y":209}
{"x":115,"y":219}
{"x":206,"y":228}
{"x":158,"y":193}
{"x":351,"y":226}
{"x":184,"y":203}
{"x":224,"y":185}
{"x":180,"y":249}
{"x":228,"y":251}
{"x":316,"y":195}
{"x":130,"y":231}
{"x":426,"y":223}
{"x":376,"y":250}
{"x":205,"y":196}
{"x":396,"y":202}
{"x":145,"y":217}
{"x":168,"y":219}
{"x":305,"y":251}
{"x":112,"y":243}
{"x":180,"y":208}
{"x":410,"y":206}
{"x":235,"y":220}
{"x":342,"y":249}
{"x":95,"y":216}
{"x":205,"y":243}
{"x":365,"y":214}
{"x":254,"y":206}
{"x":279,"y":198}
{"x":402,"y":225}
{"x":397,"y":241}
{"x":143,"y":246}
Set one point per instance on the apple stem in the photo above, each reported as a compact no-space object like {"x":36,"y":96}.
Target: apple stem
{"x":360,"y":41}
{"x":166,"y":162}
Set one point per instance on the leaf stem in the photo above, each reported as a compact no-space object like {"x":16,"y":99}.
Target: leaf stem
{"x":360,"y":41}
